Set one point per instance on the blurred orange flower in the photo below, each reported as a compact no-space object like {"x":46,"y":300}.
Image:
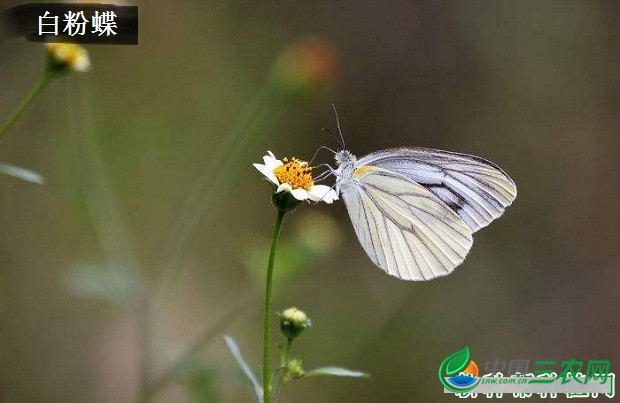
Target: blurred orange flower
{"x":307,"y":66}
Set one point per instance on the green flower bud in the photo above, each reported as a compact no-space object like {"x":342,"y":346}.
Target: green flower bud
{"x":293,"y":322}
{"x":295,"y":369}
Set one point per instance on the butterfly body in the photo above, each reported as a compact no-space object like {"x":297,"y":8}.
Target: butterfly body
{"x":346,"y":167}
{"x":414,"y":210}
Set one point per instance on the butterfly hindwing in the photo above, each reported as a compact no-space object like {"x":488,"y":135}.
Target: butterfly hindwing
{"x":405,"y":229}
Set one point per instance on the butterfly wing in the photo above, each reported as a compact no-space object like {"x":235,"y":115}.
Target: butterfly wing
{"x":476,"y":189}
{"x":406,"y":230}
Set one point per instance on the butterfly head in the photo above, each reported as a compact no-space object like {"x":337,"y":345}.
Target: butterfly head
{"x":344,"y":157}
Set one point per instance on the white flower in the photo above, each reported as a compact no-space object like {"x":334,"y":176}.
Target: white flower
{"x":295,"y":177}
{"x":69,"y":56}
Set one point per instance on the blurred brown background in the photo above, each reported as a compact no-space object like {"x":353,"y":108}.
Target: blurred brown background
{"x":533,"y":86}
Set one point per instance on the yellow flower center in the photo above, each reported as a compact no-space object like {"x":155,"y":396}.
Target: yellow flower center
{"x":296,"y":173}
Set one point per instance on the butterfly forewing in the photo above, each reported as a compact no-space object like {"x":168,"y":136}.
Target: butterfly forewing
{"x":476,"y":189}
{"x":404,"y":228}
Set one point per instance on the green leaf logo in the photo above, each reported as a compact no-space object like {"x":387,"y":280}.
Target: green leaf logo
{"x":456,"y":362}
{"x":453,"y":364}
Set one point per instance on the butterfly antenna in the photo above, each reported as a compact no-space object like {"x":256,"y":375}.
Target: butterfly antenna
{"x":338,"y":125}
{"x":317,"y":153}
{"x":325,"y":129}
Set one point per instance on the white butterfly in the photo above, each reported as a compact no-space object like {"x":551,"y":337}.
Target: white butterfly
{"x":414,"y":210}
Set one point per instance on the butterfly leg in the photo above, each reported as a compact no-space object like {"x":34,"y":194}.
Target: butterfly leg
{"x":325,"y":174}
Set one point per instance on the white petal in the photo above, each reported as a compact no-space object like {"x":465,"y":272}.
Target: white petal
{"x":323,"y":193}
{"x":82,"y":63}
{"x":300,"y":194}
{"x":268,"y":173}
{"x":273,"y":164}
{"x":285,"y":187}
{"x":271,"y":161}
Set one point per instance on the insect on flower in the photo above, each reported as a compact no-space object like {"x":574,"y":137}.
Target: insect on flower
{"x":295,"y":177}
{"x":415,"y":210}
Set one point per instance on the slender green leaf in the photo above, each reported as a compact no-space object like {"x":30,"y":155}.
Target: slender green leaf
{"x":21,"y":173}
{"x":236,"y":352}
{"x":337,"y":371}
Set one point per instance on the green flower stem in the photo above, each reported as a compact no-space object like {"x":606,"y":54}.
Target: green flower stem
{"x":287,"y":351}
{"x":283,"y":370}
{"x":31,"y":96}
{"x":267,"y":386}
